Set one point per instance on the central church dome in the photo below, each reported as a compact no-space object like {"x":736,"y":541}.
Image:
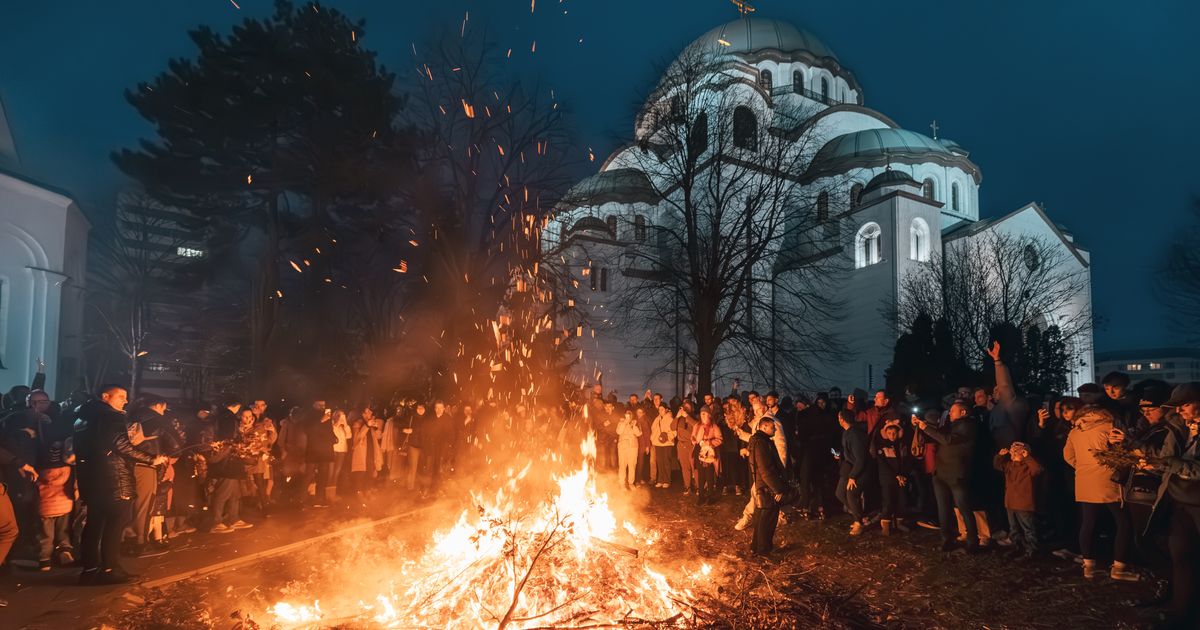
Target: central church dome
{"x":746,"y":35}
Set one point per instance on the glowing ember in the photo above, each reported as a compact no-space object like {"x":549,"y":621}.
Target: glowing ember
{"x":516,"y":563}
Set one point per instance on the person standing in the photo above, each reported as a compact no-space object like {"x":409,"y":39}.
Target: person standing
{"x":105,"y":465}
{"x":769,"y":485}
{"x":341,"y":448}
{"x":293,"y":443}
{"x":1020,"y":492}
{"x":644,"y":446}
{"x":709,"y":439}
{"x":952,"y":468}
{"x":319,"y":452}
{"x":1180,"y":490}
{"x":146,"y":423}
{"x":894,"y":463}
{"x":662,"y":438}
{"x":628,"y":433}
{"x":8,"y":519}
{"x":816,"y":429}
{"x":1095,"y":491}
{"x":853,"y":468}
{"x":685,"y":427}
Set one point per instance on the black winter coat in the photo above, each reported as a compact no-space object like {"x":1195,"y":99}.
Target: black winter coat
{"x":956,"y":446}
{"x":765,"y":468}
{"x":855,"y":452}
{"x":104,"y":455}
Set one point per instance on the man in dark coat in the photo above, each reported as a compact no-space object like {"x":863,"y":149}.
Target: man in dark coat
{"x":225,"y":419}
{"x":319,"y":449}
{"x":768,"y":485}
{"x":854,"y":467}
{"x":104,"y":464}
{"x":817,"y":430}
{"x":952,"y":470}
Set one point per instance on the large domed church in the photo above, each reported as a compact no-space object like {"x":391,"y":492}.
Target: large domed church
{"x":895,"y":199}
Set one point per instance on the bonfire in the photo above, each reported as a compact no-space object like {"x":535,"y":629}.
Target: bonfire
{"x":509,"y":561}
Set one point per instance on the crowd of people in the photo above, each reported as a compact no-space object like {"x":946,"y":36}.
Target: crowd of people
{"x":1112,"y":473}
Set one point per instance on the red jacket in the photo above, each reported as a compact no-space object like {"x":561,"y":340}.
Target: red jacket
{"x":1019,"y":485}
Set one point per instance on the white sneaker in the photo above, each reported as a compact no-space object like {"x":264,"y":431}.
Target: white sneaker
{"x":222,"y":528}
{"x":742,"y":524}
{"x":240,"y":524}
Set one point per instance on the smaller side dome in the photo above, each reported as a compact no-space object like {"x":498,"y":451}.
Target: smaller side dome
{"x":590,"y":223}
{"x":890,"y":178}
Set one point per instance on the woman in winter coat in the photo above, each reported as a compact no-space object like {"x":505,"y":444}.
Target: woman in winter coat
{"x":342,"y":433}
{"x":1095,"y":491}
{"x":662,"y":438}
{"x":366,"y":458}
{"x":684,"y":426}
{"x":628,"y":433}
{"x":709,"y":439}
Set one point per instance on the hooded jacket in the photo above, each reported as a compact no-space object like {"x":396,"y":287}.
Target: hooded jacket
{"x":1093,"y":481}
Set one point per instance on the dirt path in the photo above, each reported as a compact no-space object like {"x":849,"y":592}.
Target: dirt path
{"x":820,"y":578}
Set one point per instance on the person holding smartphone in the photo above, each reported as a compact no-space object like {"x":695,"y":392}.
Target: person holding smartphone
{"x":852,"y":468}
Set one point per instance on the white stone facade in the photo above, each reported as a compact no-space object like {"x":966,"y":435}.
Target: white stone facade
{"x":43,"y":253}
{"x":935,"y":191}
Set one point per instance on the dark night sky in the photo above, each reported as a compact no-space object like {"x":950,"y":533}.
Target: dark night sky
{"x":1088,"y":107}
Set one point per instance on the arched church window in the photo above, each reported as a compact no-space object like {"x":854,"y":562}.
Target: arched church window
{"x":639,"y":228}
{"x":855,"y":195}
{"x":745,"y":128}
{"x":954,"y":196}
{"x":698,"y":135}
{"x":824,"y":90}
{"x":918,"y":246}
{"x":797,"y":81}
{"x":765,"y":80}
{"x":867,"y":246}
{"x":928,"y":189}
{"x":611,"y":221}
{"x":823,"y":206}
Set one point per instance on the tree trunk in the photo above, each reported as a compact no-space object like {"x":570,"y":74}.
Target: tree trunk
{"x":705,"y":358}
{"x":264,"y":299}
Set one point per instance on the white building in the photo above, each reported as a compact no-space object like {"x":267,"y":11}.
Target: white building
{"x":901,"y":195}
{"x":43,"y":249}
{"x":1174,"y":365}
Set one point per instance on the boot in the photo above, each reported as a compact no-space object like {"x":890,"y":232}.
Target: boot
{"x":1123,"y":573}
{"x":1089,"y":568}
{"x":901,"y":527}
{"x":886,"y":526}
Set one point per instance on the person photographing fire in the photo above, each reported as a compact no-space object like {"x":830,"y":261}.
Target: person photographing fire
{"x":768,"y":487}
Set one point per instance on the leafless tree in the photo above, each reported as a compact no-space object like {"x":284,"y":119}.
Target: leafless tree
{"x":1179,"y":287}
{"x":738,"y":260}
{"x":997,"y":278}
{"x":137,"y":263}
{"x":497,"y":157}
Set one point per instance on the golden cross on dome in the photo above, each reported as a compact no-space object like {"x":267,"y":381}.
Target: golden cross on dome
{"x":745,"y":7}
{"x":934,"y":126}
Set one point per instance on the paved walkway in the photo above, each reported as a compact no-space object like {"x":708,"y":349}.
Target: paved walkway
{"x":54,"y":600}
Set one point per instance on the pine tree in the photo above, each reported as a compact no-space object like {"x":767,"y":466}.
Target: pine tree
{"x":279,"y":130}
